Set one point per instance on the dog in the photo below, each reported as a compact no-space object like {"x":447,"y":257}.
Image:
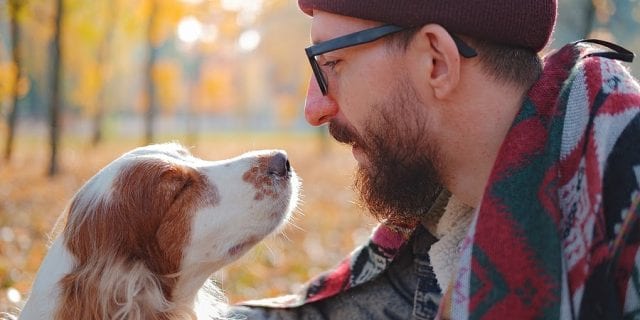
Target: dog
{"x":142,"y":237}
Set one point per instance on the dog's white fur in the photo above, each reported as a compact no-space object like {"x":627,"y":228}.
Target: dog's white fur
{"x":153,"y":205}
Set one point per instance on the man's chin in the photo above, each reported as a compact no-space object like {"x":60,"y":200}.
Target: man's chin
{"x":398,"y":193}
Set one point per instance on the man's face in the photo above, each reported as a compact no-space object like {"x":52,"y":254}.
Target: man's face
{"x":371,"y":105}
{"x":399,"y":179}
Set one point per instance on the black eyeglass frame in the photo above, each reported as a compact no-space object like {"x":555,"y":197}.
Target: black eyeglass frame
{"x":362,"y":37}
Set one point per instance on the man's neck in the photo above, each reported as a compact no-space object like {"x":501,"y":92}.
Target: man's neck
{"x":484,"y":111}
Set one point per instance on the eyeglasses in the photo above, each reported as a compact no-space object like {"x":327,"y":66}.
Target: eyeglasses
{"x":362,"y":37}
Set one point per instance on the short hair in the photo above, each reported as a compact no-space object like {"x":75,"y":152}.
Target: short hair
{"x":507,"y":63}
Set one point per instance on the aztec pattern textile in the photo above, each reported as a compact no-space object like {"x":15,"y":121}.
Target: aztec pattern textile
{"x":557,"y":232}
{"x":363,"y":265}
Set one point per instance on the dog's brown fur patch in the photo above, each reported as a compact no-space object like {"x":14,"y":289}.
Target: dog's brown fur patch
{"x":145,"y":220}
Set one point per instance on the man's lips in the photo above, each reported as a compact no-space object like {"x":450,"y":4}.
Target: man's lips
{"x":343,"y":138}
{"x":342,"y":133}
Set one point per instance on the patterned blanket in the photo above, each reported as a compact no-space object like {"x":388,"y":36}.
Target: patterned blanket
{"x":557,"y":233}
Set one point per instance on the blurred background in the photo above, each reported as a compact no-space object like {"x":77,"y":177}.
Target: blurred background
{"x":82,"y":81}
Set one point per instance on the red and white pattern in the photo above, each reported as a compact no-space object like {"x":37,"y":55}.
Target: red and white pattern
{"x":579,"y":234}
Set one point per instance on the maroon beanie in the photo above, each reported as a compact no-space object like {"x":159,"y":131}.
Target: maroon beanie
{"x":523,"y":23}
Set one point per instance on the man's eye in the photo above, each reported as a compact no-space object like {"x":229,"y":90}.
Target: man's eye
{"x":331,"y":64}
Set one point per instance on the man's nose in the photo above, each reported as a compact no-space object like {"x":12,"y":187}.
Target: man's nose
{"x":318,"y":109}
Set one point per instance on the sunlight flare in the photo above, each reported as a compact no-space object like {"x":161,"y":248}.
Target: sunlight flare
{"x":249,"y":40}
{"x":190,"y":30}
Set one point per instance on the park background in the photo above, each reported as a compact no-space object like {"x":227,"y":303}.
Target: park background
{"x":82,"y":81}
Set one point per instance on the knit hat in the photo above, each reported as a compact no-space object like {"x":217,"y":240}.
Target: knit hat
{"x":522,"y":23}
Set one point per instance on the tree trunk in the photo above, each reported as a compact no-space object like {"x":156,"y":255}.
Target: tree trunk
{"x":150,"y":108}
{"x":15,"y":42}
{"x":590,"y":15}
{"x":55,"y":104}
{"x":104,"y":65}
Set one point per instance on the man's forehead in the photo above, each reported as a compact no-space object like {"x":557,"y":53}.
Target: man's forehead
{"x":326,"y":26}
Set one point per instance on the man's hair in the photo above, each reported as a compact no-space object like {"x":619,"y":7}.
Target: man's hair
{"x":506,"y":63}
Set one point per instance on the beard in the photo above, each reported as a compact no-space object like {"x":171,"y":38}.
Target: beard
{"x":400,"y":182}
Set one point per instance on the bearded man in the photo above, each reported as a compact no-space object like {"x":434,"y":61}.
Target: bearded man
{"x":508,"y":184}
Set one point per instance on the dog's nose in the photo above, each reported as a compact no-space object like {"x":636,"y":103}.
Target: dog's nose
{"x":279,"y":165}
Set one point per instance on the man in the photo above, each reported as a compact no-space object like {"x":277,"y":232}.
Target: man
{"x":508,"y":185}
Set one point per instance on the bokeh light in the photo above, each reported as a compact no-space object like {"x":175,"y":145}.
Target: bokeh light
{"x":249,"y":40}
{"x":190,"y":29}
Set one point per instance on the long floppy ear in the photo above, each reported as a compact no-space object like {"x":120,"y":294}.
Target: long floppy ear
{"x":111,"y":232}
{"x":439,"y":59}
{"x":104,"y":284}
{"x":106,"y":289}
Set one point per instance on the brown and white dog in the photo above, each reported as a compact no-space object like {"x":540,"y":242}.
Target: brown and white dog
{"x":142,"y":237}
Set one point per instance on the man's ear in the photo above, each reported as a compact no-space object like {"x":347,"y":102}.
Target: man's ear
{"x":440,"y":57}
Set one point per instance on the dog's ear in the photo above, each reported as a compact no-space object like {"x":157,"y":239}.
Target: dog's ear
{"x":122,"y":215}
{"x":106,"y":289}
{"x":113,"y":233}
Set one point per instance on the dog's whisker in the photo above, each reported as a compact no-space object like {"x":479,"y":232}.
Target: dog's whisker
{"x":271,"y":252}
{"x":285,"y":236}
{"x":295,"y":226}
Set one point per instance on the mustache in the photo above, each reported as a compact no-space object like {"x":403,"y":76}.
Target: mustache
{"x":344,"y":134}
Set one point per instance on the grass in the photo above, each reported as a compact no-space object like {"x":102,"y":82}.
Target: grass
{"x":325,"y":228}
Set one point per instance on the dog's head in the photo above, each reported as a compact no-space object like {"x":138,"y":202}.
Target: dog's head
{"x":165,"y":210}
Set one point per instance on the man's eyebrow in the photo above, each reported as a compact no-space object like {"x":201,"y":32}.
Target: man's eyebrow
{"x":315,"y":41}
